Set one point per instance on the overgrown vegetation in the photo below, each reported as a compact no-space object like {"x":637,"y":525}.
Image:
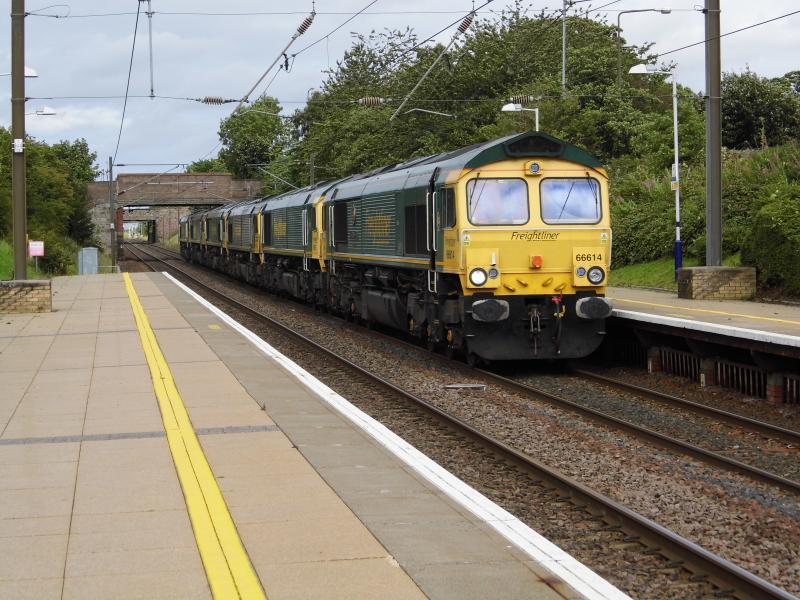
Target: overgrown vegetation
{"x":57,"y":203}
{"x":628,"y":127}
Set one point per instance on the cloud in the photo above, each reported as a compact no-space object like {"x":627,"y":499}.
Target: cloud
{"x":73,"y":121}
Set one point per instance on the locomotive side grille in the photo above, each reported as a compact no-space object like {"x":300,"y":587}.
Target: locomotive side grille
{"x":294,"y":232}
{"x":378,"y":224}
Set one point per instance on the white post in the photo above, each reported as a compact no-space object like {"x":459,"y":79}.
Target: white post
{"x":676,"y":178}
{"x":564,"y":47}
{"x":536,"y":110}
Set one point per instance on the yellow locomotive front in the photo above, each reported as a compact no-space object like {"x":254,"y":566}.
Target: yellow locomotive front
{"x":532,"y":246}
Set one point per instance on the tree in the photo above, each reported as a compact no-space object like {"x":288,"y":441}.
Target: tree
{"x":757,"y":111}
{"x":252,"y":136}
{"x":207,"y":165}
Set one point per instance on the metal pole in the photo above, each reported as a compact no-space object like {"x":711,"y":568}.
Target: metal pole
{"x":676,"y":177}
{"x":536,"y":112}
{"x":150,"y":36}
{"x":713,"y":137}
{"x":619,"y":51}
{"x":18,"y":204}
{"x":112,"y":215}
{"x":564,"y":47}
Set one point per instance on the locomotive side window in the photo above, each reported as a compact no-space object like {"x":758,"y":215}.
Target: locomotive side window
{"x":497,"y":201}
{"x":570,"y":200}
{"x":266,"y":230}
{"x":448,"y":207}
{"x":340,"y":215}
{"x":415,"y":229}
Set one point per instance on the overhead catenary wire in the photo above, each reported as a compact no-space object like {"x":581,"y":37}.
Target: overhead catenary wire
{"x":128,"y":84}
{"x":334,"y":30}
{"x":462,"y":28}
{"x":300,"y":31}
{"x":726,"y":34}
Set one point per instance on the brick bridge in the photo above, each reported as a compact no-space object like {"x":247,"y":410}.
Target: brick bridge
{"x":163,"y":199}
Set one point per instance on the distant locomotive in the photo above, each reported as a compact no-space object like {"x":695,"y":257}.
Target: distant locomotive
{"x":499,"y":250}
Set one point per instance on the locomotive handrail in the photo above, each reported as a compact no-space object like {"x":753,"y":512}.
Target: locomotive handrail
{"x":428,"y":221}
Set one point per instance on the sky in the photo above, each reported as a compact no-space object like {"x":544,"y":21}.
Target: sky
{"x":221,"y":55}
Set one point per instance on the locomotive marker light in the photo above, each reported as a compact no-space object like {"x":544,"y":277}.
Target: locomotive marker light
{"x":516,"y":107}
{"x":643,"y":69}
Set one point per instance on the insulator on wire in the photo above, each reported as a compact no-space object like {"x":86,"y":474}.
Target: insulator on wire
{"x":213,"y":100}
{"x":306,"y":24}
{"x":466,"y":23}
{"x":371,"y":101}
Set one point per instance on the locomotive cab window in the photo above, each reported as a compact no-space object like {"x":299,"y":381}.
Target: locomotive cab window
{"x":574,"y":200}
{"x":498,"y":201}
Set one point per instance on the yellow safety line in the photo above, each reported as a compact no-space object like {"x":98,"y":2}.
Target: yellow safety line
{"x":706,"y":310}
{"x":228,"y":569}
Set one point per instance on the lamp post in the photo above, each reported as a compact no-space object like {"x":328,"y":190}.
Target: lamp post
{"x":642,"y":69}
{"x":515,"y":107}
{"x":663,"y":11}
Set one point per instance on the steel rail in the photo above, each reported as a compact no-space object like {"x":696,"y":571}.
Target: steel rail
{"x":731,"y":418}
{"x":654,"y":437}
{"x":727,"y":576}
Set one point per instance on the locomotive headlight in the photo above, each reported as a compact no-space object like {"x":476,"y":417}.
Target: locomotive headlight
{"x":596,"y":275}
{"x":478,"y":277}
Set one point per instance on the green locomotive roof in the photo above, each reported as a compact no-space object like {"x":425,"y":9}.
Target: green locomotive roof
{"x":417,"y":172}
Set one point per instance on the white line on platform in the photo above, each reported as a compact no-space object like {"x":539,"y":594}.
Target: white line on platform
{"x":758,"y":335}
{"x":562,"y":565}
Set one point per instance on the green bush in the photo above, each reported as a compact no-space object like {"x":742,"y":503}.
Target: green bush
{"x":773,"y":243}
{"x":59,"y":255}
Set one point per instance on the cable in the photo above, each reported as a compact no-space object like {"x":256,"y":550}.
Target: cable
{"x":442,"y":30}
{"x":252,"y":14}
{"x":730,"y":33}
{"x":325,"y":37}
{"x":128,"y":85}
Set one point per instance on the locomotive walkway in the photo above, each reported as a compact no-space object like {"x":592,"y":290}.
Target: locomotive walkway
{"x":148,"y":449}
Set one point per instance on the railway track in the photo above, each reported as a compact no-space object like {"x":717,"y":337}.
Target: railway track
{"x":710,"y":574}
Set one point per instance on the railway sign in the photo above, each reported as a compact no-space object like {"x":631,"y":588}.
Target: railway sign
{"x":35,"y":248}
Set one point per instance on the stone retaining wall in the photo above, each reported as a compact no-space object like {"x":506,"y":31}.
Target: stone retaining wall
{"x":29,"y":296}
{"x":717,"y":283}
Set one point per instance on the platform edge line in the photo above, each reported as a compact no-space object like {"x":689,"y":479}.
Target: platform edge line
{"x":564,"y":566}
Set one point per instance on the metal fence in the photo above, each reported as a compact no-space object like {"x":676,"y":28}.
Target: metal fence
{"x":680,"y":363}
{"x":745,"y":379}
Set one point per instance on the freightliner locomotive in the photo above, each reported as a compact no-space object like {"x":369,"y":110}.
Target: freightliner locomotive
{"x":497,"y":251}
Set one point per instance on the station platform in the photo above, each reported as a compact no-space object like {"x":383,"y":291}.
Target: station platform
{"x":152,"y":447}
{"x":755,"y":324}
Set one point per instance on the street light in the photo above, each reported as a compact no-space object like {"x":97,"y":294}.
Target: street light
{"x":642,"y":69}
{"x":663,"y":11}
{"x":29,"y":73}
{"x":514,"y":107}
